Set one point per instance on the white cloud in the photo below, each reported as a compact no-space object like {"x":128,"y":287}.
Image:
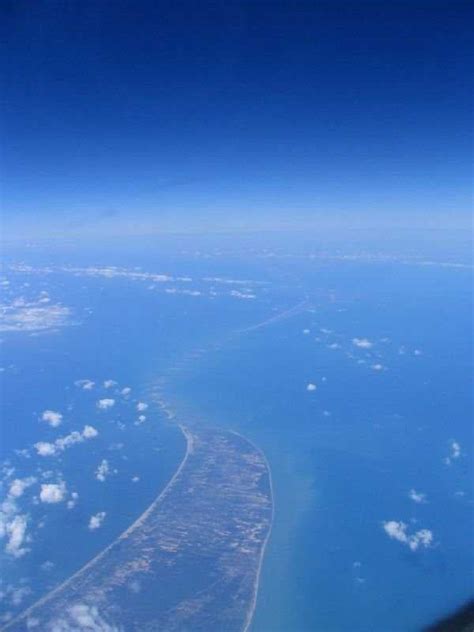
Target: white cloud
{"x":417,"y":497}
{"x":306,"y":331}
{"x":95,"y":522}
{"x":126,"y":391}
{"x":399,"y":531}
{"x":135,"y":479}
{"x":66,"y":442}
{"x":377,"y":367}
{"x":311,"y":387}
{"x":18,"y":595}
{"x":231,"y":281}
{"x":87,"y":385}
{"x":15,"y":530}
{"x":73,"y":501}
{"x":89,"y":432}
{"x":44,"y":448}
{"x":52,"y":417}
{"x":104,"y":404}
{"x":30,"y":316}
{"x":244,"y":295}
{"x":454,"y":452}
{"x":103,"y":471}
{"x":141,"y":406}
{"x":109,"y":383}
{"x":18,"y":486}
{"x":141,"y":419}
{"x":362,"y":343}
{"x":174,"y":290}
{"x":52,"y":493}
{"x":82,"y":617}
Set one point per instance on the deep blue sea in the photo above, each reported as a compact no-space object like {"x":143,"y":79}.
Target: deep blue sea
{"x":351,"y":370}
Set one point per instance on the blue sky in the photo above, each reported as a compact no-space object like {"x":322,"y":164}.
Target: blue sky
{"x":149,"y":116}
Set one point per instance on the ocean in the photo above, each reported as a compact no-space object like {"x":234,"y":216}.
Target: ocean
{"x":351,"y":373}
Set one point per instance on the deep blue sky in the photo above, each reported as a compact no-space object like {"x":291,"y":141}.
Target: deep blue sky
{"x":128,"y":114}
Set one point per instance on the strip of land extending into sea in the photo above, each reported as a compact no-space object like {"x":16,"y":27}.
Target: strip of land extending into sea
{"x":191,"y":561}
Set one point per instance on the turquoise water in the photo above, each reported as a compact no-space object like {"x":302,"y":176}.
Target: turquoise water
{"x":344,"y":457}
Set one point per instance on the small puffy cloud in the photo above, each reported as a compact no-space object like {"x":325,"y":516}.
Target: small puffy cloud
{"x":104,"y":404}
{"x":334,"y":345}
{"x":126,"y":391}
{"x":396,"y":530}
{"x":417,"y":497}
{"x":306,"y":331}
{"x":44,"y":448}
{"x":18,"y":486}
{"x":103,"y":471}
{"x":52,"y":493}
{"x":399,"y":531}
{"x":15,"y":531}
{"x":66,"y":442}
{"x":311,"y":387}
{"x":18,"y":595}
{"x":47,"y":566}
{"x":52,"y":417}
{"x":362,"y":343}
{"x":141,"y":406}
{"x":89,"y":432}
{"x":141,"y":419}
{"x":86,"y":385}
{"x":82,"y":617}
{"x":95,"y":522}
{"x":73,"y":500}
{"x":135,"y":479}
{"x":454,"y":452}
{"x":109,"y":383}
{"x":377,"y":367}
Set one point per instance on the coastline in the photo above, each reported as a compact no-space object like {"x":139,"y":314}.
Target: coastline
{"x":52,"y":593}
{"x":253,"y":604}
{"x":216,"y":509}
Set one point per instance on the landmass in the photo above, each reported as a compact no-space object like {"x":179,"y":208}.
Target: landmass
{"x":460,"y":621}
{"x":190,"y":562}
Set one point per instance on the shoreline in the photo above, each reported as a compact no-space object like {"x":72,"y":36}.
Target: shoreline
{"x":253,"y":603}
{"x":51,"y":594}
{"x":253,"y":606}
{"x":198,"y":444}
